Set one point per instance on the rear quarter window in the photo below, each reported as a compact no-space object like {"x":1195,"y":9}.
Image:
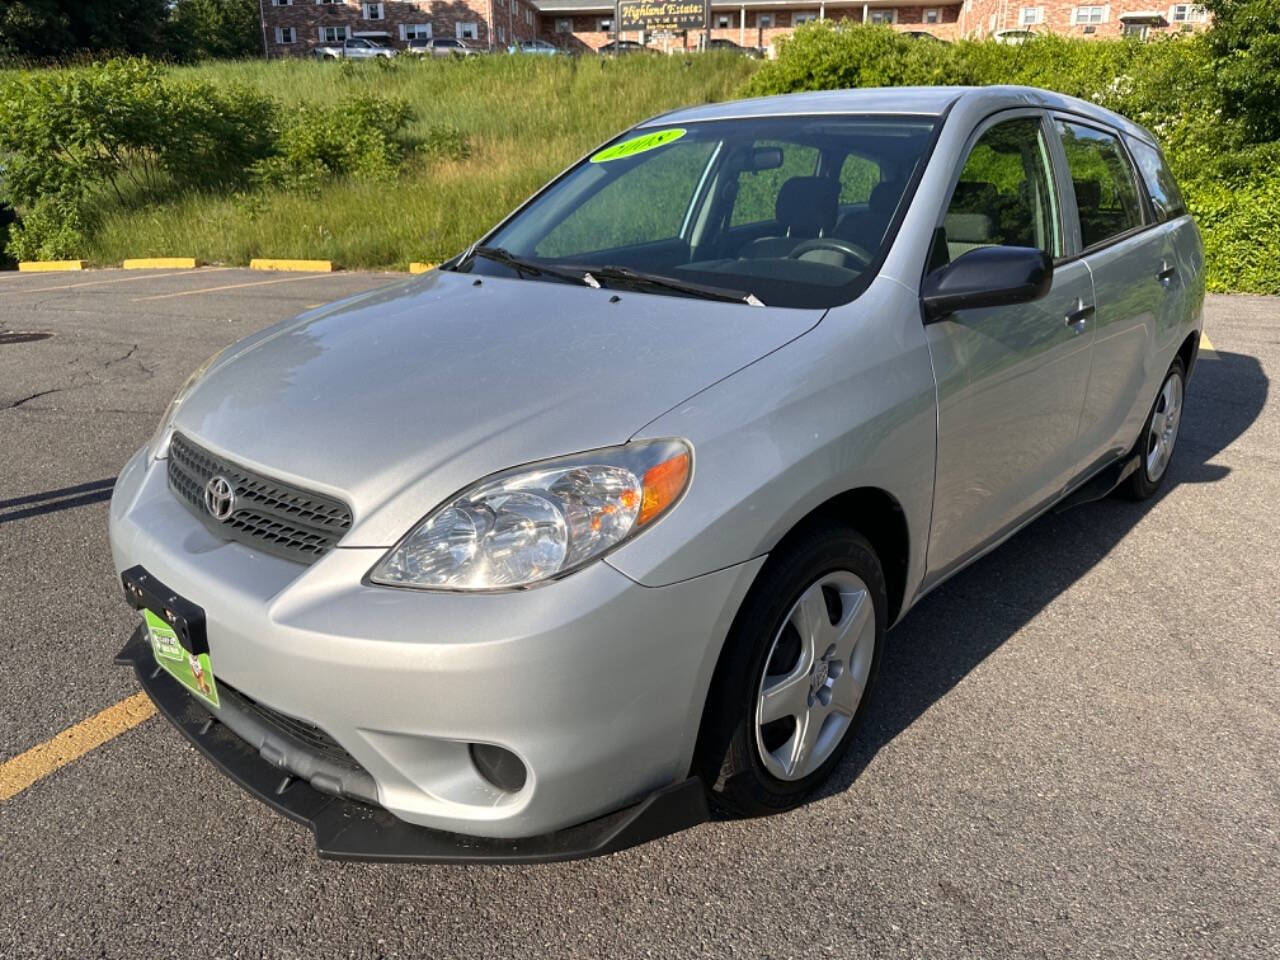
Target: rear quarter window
{"x":1166,"y":198}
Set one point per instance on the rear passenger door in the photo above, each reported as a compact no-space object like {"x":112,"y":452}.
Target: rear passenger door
{"x":1129,"y":276}
{"x":1011,"y":380}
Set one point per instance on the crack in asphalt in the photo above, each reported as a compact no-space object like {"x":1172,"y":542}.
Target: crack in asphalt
{"x":34,"y":396}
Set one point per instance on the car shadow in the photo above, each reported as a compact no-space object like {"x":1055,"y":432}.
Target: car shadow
{"x":949,"y":634}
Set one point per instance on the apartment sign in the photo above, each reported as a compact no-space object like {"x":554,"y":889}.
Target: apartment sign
{"x":654,"y":15}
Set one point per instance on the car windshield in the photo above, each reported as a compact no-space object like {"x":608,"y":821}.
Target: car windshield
{"x":784,"y":211}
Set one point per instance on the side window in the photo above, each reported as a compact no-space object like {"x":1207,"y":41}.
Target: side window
{"x":1106,"y":194}
{"x":858,"y":177}
{"x":1166,"y":198}
{"x":646,"y":206}
{"x":758,"y":189}
{"x":1005,"y":196}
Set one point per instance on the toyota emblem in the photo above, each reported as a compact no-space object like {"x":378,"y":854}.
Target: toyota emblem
{"x":219,"y":498}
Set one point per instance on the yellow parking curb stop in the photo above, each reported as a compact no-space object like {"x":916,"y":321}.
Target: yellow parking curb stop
{"x":160,"y":263}
{"x":302,"y":266}
{"x":47,"y":266}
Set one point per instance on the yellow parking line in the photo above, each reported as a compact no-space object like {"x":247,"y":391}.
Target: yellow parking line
{"x":71,"y":744}
{"x":1204,"y":341}
{"x":229,"y":286}
{"x":132,"y":279}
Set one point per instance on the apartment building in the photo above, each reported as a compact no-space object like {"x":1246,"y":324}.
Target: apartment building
{"x":295,"y":27}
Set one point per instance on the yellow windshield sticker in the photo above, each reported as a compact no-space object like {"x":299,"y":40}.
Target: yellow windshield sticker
{"x":629,"y":148}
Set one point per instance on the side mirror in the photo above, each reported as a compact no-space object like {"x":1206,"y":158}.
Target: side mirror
{"x":986,"y":277}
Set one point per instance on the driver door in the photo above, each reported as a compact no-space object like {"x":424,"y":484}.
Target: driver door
{"x":1011,"y":380}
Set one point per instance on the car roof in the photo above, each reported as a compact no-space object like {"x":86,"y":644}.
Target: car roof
{"x":916,"y":101}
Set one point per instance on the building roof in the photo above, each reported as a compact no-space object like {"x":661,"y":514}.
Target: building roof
{"x":923,"y":101}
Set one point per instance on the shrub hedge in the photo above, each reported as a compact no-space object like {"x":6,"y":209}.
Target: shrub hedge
{"x":1231,"y":177}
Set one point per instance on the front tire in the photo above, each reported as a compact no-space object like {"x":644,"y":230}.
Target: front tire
{"x":795,"y":676}
{"x":1159,"y":435}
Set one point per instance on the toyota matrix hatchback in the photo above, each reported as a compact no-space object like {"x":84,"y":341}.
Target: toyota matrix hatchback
{"x":532,"y":556}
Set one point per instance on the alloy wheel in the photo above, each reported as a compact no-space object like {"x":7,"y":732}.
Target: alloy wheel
{"x":815,"y":675}
{"x":1162,"y":432}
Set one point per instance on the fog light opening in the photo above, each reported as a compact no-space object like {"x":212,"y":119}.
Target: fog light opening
{"x":499,"y":766}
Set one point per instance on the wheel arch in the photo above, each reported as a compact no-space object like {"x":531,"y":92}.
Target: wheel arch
{"x":1189,"y":351}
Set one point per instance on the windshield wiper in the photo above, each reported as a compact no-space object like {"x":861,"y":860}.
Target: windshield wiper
{"x":642,"y":279}
{"x":524,"y":267}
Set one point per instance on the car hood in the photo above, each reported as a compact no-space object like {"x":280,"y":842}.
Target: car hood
{"x":397,"y":399}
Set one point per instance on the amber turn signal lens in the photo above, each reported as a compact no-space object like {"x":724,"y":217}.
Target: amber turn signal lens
{"x":662,"y":484}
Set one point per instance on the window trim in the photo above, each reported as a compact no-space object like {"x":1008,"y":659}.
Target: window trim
{"x":1149,"y":221}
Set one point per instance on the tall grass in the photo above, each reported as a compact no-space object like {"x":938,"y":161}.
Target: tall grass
{"x":526,"y":118}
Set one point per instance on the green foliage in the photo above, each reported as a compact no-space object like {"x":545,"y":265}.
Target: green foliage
{"x":121,"y":127}
{"x":55,"y":28}
{"x":214,"y":29}
{"x":361,"y":137}
{"x":1210,"y":99}
{"x":1245,"y":40}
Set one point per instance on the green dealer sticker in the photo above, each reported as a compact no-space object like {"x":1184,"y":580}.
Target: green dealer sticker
{"x":193,"y":672}
{"x":629,"y":148}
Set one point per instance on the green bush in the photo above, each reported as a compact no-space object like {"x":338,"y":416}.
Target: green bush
{"x":361,"y":137}
{"x":117,"y":127}
{"x":1212,"y":116}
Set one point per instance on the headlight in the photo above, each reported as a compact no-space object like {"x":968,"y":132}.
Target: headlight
{"x":542,"y":521}
{"x":159,"y":442}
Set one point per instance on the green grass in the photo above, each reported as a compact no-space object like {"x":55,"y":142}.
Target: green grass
{"x":526,"y":118}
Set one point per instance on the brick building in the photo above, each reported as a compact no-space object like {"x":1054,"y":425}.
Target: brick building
{"x":294,"y":27}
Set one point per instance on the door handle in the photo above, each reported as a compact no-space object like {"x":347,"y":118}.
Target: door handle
{"x":1080,"y":314}
{"x":1167,"y":272}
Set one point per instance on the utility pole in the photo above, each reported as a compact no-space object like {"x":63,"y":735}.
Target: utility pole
{"x":262,"y":18}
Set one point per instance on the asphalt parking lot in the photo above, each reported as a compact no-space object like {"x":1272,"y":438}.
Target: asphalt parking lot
{"x":1074,"y":751}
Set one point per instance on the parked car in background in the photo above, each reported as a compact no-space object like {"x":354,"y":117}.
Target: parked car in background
{"x":444,"y":47}
{"x":612,"y":511}
{"x":355,"y":48}
{"x":622,"y":47}
{"x":1013,"y":37}
{"x":539,"y":47}
{"x":728,"y":46}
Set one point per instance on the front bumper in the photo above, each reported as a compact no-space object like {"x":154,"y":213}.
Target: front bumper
{"x":346,"y":829}
{"x":595,"y":682}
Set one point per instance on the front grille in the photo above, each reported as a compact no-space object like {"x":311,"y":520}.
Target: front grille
{"x":308,"y":735}
{"x":273,"y":516}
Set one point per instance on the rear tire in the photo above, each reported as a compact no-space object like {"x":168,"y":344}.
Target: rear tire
{"x":1159,"y":435}
{"x":795,"y":675}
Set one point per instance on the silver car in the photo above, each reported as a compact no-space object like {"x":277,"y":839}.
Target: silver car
{"x":531,"y":556}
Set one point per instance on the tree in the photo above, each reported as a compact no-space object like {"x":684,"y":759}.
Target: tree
{"x":204,"y":29}
{"x":1245,"y":39}
{"x":52,"y":28}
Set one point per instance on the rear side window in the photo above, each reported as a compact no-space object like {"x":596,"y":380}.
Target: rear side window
{"x":1166,"y":198}
{"x":1106,"y":192}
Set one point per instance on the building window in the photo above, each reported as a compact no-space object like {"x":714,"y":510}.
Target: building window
{"x":286,"y":35}
{"x":1089,"y":15}
{"x":466,"y":30}
{"x":564,"y":25}
{"x":1030,"y":16}
{"x":808,"y":16}
{"x":1136,"y":30}
{"x":330,"y":3}
{"x":884,"y":16}
{"x":373,"y":11}
{"x":333,"y":34}
{"x":282,"y":3}
{"x":528,"y":15}
{"x":764,"y":21}
{"x":415,"y":31}
{"x":604,"y":24}
{"x":932,"y":15}
{"x":1187,"y":13}
{"x":724,"y":21}
{"x":502,"y":34}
